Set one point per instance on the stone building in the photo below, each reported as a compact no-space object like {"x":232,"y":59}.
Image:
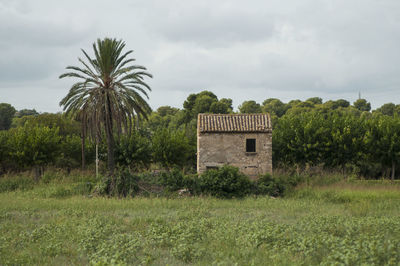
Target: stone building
{"x":241,"y":140}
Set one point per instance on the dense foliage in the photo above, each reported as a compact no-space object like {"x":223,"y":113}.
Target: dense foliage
{"x":225,"y":182}
{"x":306,"y":134}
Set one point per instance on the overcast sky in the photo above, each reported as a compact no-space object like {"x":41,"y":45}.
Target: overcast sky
{"x":244,"y":50}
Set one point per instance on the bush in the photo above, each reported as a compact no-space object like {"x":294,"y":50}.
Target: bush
{"x":175,"y":180}
{"x":172,"y":180}
{"x":267,"y":185}
{"x":125,"y":185}
{"x":225,"y":182}
{"x":275,"y":186}
{"x":192,"y":183}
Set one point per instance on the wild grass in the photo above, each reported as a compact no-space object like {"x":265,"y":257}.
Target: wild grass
{"x":55,"y":223}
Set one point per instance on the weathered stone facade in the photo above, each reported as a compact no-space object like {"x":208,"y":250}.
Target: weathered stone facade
{"x":222,"y":139}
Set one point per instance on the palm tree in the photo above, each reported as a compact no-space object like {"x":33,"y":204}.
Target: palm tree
{"x":108,"y":95}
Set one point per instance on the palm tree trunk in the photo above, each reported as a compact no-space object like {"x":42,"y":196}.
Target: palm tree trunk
{"x":83,"y":146}
{"x":110,"y":142}
{"x":110,"y":152}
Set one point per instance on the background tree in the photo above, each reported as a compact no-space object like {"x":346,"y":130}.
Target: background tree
{"x":6,"y":115}
{"x":333,"y":105}
{"x":228,"y":103}
{"x":397,"y":110}
{"x":198,"y":103}
{"x":167,"y":110}
{"x":250,"y":107}
{"x":315,"y":100}
{"x":223,"y":106}
{"x":387,"y":109}
{"x":362,"y":105}
{"x":26,"y":112}
{"x":274,"y":106}
{"x":108,"y":93}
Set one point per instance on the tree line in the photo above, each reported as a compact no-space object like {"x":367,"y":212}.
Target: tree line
{"x":331,"y":135}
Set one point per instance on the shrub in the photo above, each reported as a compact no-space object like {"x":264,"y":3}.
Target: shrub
{"x":225,"y":182}
{"x":125,"y":185}
{"x":275,"y":186}
{"x":192,"y":182}
{"x":172,"y":180}
{"x":267,"y":185}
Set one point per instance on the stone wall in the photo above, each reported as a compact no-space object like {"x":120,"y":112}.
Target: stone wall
{"x":217,"y":149}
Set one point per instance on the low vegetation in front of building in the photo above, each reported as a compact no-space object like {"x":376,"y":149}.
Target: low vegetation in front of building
{"x":335,"y":220}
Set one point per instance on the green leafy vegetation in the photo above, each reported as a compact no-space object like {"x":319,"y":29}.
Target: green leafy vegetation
{"x":225,"y":182}
{"x":7,"y":112}
{"x":330,"y":136}
{"x":56,"y":222}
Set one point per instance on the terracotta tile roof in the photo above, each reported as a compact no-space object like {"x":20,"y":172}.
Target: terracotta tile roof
{"x":234,"y":123}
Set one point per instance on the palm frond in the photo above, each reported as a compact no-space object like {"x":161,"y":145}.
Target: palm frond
{"x":109,"y":93}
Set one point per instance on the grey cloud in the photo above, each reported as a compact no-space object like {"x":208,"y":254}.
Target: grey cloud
{"x":209,"y":25}
{"x":26,"y":29}
{"x":33,"y":45}
{"x":242,"y":50}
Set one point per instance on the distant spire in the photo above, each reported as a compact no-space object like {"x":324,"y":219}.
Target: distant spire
{"x":359,"y":95}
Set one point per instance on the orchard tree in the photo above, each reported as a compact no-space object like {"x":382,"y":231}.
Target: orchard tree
{"x":384,"y":141}
{"x":34,"y":146}
{"x":134,"y":151}
{"x":171,"y":148}
{"x":347,"y":140}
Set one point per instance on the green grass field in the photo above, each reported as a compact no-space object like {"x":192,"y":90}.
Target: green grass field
{"x":345,"y":223}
